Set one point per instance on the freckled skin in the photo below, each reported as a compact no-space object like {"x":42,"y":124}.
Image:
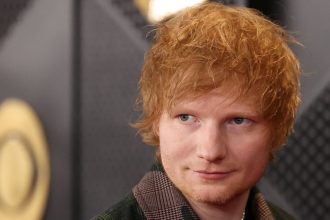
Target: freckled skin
{"x":215,"y":148}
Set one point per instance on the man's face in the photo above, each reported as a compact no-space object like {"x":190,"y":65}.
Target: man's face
{"x":215,"y":148}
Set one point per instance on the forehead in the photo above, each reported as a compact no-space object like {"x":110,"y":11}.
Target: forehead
{"x":222,"y":97}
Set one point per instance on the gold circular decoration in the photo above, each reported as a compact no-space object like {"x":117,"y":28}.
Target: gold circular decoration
{"x":17,"y":172}
{"x":24,"y":163}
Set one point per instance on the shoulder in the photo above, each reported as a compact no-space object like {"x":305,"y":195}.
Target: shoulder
{"x":259,"y":208}
{"x":126,"y":209}
{"x":279,"y":213}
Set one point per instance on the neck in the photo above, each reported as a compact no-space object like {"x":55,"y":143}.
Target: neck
{"x":231,"y":210}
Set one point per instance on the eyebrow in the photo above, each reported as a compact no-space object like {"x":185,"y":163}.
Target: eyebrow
{"x":196,"y":109}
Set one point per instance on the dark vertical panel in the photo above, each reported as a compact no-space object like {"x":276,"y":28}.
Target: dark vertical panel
{"x":308,"y":21}
{"x":35,"y":65}
{"x":76,"y":108}
{"x":112,"y":155}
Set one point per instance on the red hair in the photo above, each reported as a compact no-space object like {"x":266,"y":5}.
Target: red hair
{"x":227,"y":45}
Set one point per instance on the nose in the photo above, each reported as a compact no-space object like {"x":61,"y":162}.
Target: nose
{"x":212,"y":144}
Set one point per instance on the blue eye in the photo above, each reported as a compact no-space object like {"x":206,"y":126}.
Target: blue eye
{"x":186,"y":118}
{"x":239,"y":121}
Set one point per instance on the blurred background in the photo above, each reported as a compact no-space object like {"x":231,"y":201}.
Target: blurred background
{"x":77,"y":64}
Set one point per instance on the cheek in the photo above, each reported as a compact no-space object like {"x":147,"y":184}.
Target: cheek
{"x":258,"y":162}
{"x":170,"y":145}
{"x":174,"y":144}
{"x":253,"y":161}
{"x":253,"y":153}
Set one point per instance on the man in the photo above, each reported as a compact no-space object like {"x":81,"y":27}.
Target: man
{"x":219,"y":93}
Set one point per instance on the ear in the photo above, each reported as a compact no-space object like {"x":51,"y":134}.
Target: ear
{"x":155,"y":127}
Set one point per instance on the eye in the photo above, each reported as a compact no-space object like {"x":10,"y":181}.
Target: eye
{"x":240,"y":121}
{"x":186,"y":118}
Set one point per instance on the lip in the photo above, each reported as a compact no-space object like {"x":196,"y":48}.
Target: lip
{"x":212,"y":175}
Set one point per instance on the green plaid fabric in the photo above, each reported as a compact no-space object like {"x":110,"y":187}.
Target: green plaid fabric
{"x":156,"y":198}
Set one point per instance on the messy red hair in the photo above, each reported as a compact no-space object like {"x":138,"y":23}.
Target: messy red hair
{"x":226,"y":44}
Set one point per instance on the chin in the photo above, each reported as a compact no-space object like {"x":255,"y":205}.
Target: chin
{"x":215,"y":195}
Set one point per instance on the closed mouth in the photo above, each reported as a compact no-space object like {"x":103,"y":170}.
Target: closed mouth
{"x":212,"y":175}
